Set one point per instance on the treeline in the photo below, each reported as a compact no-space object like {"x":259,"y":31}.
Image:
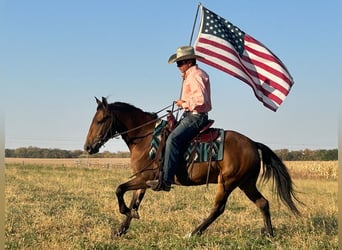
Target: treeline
{"x":284,"y":154}
{"x":308,"y":155}
{"x":35,"y":152}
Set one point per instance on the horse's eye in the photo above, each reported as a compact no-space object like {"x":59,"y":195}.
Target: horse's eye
{"x":103,"y":120}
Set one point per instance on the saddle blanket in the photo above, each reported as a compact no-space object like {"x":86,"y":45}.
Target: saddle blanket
{"x":196,"y":151}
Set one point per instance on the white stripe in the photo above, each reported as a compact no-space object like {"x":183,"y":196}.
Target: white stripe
{"x":266,"y":74}
{"x":217,"y":50}
{"x":270,"y":103}
{"x":252,"y":67}
{"x":236,"y":70}
{"x":223,"y":63}
{"x":274,"y":91}
{"x":277,"y":66}
{"x":243,"y":75}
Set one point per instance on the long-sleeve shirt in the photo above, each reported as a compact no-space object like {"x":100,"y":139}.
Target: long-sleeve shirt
{"x":196,"y":90}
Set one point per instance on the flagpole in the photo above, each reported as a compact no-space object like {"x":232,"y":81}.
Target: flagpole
{"x":194,"y":25}
{"x":192,"y":34}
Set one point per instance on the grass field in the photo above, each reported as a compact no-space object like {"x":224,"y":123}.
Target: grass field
{"x":53,"y":205}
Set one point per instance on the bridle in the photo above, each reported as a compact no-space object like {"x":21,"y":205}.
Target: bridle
{"x":105,"y":138}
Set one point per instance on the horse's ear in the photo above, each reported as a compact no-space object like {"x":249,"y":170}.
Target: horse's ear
{"x":104,"y":102}
{"x":97,"y":101}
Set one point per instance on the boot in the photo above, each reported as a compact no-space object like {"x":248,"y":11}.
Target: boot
{"x":157,"y":185}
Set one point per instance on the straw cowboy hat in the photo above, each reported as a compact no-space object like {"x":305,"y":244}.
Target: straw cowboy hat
{"x":183,"y":53}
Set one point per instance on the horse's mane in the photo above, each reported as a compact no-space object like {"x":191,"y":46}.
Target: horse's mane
{"x":126,"y":107}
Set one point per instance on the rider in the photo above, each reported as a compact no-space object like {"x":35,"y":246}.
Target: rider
{"x":196,"y":103}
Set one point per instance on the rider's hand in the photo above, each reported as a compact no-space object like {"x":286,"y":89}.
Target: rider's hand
{"x":179,"y":103}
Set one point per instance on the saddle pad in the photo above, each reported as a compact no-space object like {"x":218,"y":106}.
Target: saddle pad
{"x":160,"y":124}
{"x":198,"y":152}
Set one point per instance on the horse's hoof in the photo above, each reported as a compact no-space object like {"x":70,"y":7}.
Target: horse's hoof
{"x":119,"y":233}
{"x":135,"y":214}
{"x":188,"y":236}
{"x":265,"y":232}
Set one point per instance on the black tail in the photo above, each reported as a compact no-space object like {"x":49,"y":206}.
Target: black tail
{"x":274,"y":167}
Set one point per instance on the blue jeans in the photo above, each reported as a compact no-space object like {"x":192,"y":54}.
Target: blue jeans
{"x":178,"y":139}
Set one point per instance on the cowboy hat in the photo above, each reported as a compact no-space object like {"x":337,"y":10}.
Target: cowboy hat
{"x":183,"y":53}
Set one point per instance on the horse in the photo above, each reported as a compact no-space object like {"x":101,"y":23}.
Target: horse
{"x":239,"y":167}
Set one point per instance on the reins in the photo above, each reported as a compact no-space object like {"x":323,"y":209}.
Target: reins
{"x":140,"y":126}
{"x":146,"y":123}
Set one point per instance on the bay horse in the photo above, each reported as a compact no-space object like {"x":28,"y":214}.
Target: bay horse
{"x":239,"y":167}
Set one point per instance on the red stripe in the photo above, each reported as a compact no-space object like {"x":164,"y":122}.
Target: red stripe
{"x":226,"y":70}
{"x":268,"y":56}
{"x":203,"y":42}
{"x":251,"y":83}
{"x":267,"y":79}
{"x":201,"y":46}
{"x":221,"y":57}
{"x":270,"y":69}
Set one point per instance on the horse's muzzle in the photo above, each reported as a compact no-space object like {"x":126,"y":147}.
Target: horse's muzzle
{"x":92,"y":149}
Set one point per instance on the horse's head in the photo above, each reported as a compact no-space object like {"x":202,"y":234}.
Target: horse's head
{"x":100,"y":130}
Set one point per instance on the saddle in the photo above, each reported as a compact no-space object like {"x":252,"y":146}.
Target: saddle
{"x":206,"y":145}
{"x":206,"y":134}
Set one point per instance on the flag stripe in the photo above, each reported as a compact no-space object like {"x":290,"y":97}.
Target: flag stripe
{"x":252,"y":44}
{"x":259,"y":91}
{"x":227,"y":48}
{"x":228,"y":65}
{"x":219,"y":63}
{"x":226,"y":59}
{"x":215,"y":53}
{"x":231,"y":61}
{"x":263,"y":72}
{"x":272,"y":65}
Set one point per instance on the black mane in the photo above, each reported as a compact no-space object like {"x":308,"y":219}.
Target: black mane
{"x":126,"y":107}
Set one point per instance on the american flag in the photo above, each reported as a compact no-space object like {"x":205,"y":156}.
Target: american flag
{"x":227,"y":48}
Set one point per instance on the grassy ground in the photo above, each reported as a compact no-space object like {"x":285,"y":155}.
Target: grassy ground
{"x":52,"y":206}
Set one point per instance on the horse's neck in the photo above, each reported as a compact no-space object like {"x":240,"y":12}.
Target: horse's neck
{"x":137,"y":132}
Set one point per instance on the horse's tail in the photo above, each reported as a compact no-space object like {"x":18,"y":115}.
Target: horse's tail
{"x":282,"y":182}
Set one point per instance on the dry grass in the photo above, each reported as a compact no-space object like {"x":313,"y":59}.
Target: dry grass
{"x":327,"y":170}
{"x":70,"y":162}
{"x":61,"y":207}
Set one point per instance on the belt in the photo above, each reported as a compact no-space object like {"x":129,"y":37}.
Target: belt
{"x":196,"y":113}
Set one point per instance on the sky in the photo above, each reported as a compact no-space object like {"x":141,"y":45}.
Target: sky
{"x":56,"y":56}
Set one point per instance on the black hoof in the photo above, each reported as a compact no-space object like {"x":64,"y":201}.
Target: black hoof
{"x":266,"y":233}
{"x":135,"y":214}
{"x":118,"y":233}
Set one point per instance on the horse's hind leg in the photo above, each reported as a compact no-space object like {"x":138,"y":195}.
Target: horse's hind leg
{"x":256,"y":197}
{"x":218,"y":209}
{"x":137,"y":197}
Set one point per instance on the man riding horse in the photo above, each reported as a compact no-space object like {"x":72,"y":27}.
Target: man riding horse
{"x":196,"y":102}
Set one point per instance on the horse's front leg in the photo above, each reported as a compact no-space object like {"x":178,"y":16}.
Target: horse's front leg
{"x":137,"y":197}
{"x":132,"y":212}
{"x":134,"y":184}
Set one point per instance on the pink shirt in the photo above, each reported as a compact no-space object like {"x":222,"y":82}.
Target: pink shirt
{"x":196,"y":90}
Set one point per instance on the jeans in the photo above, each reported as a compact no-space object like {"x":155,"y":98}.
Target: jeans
{"x":179,"y":138}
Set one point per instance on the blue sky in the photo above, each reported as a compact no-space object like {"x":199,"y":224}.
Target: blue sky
{"x":57,"y":55}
